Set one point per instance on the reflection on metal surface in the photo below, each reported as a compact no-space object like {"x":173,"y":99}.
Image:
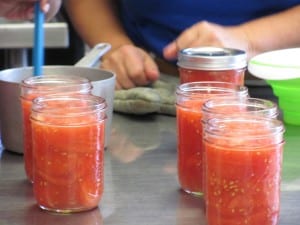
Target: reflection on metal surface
{"x":188,"y":207}
{"x":129,"y":147}
{"x":35,"y":216}
{"x":291,"y":186}
{"x":108,"y":202}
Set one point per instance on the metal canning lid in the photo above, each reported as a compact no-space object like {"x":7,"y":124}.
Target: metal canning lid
{"x":212,"y":58}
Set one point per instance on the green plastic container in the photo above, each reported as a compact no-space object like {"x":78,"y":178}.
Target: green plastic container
{"x":288,"y":93}
{"x":281,"y":70}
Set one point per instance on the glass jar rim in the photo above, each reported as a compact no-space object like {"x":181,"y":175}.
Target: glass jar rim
{"x":212,"y":58}
{"x":222,"y":126}
{"x":206,"y":87}
{"x":53,"y":104}
{"x":256,"y":106}
{"x":46,"y":83}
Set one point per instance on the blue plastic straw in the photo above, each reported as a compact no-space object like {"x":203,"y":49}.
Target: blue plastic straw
{"x":38,"y":48}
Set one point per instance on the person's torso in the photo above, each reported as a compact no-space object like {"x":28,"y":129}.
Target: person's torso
{"x":152,"y":24}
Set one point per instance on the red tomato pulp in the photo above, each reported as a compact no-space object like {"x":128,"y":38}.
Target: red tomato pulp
{"x":27,"y":138}
{"x":235,"y":76}
{"x":68,"y":165}
{"x":190,"y":173}
{"x":242,"y":180}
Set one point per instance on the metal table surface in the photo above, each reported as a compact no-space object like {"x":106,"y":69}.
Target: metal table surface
{"x":140,"y":181}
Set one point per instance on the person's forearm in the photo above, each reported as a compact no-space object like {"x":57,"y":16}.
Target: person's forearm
{"x":96,"y":21}
{"x":274,"y":32}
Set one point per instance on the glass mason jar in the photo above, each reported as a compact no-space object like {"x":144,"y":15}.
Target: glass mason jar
{"x":228,"y":106}
{"x":212,"y":64}
{"x":33,"y":87}
{"x":243,"y":159}
{"x":68,"y":149}
{"x":189,"y":100}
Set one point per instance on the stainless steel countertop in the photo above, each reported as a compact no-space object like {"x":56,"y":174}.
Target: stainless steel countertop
{"x":140,"y":181}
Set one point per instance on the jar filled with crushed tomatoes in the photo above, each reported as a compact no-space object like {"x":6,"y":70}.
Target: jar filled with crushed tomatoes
{"x":68,"y":150}
{"x":243,"y":160}
{"x":212,"y":64}
{"x":189,"y":100}
{"x":33,"y":87}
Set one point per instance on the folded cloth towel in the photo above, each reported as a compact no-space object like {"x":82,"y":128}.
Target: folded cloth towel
{"x":158,"y":97}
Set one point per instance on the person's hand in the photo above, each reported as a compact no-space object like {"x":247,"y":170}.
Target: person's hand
{"x":132,"y":65}
{"x":24,"y":9}
{"x":208,"y":34}
{"x":50,"y":7}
